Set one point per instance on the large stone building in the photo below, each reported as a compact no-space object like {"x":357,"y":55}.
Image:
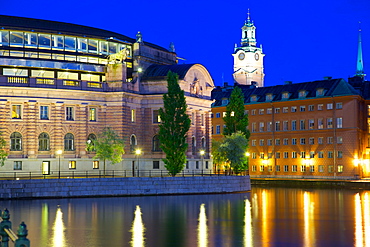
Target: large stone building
{"x":316,"y":129}
{"x":59,"y":90}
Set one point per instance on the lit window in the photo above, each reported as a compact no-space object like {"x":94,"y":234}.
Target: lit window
{"x":340,"y":168}
{"x":16,"y":111}
{"x":311,"y":124}
{"x":261,"y":111}
{"x":312,"y":154}
{"x":302,"y":93}
{"x":92,"y":114}
{"x":72,"y":164}
{"x":96,"y":164}
{"x":285,"y":95}
{"x":320,"y":123}
{"x":285,"y":109}
{"x":156,"y":117}
{"x":320,"y":107}
{"x":269,"y":111}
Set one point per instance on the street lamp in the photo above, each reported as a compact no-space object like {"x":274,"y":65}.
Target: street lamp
{"x":247,"y":154}
{"x":59,"y":153}
{"x":137,"y":152}
{"x":202,"y":153}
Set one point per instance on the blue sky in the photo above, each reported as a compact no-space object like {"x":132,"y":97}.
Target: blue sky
{"x":303,"y":40}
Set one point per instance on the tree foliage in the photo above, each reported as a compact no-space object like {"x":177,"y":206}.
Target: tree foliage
{"x":219,"y":158}
{"x":235,"y":118}
{"x":174,"y":126}
{"x":109,"y":146}
{"x":233,"y":149}
{"x":3,"y":153}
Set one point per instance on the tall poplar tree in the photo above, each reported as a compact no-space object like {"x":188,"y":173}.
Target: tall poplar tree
{"x":174,"y":126}
{"x":235,"y":119}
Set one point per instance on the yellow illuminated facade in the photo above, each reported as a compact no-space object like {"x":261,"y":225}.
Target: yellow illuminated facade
{"x":63,"y":83}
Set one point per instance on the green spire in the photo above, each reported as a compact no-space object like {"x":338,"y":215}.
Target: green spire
{"x":360,"y":62}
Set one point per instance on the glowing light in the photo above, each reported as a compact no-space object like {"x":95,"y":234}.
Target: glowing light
{"x":138,"y":229}
{"x":202,"y":152}
{"x":58,"y":230}
{"x":248,"y":238}
{"x":59,"y":152}
{"x":138,"y":151}
{"x":265,"y":162}
{"x":308,"y":211}
{"x":358,"y":221}
{"x":202,"y":227}
{"x":247,"y":154}
{"x":139,"y":70}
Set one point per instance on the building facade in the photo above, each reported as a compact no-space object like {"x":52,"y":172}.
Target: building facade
{"x":61,"y":84}
{"x":315,"y":129}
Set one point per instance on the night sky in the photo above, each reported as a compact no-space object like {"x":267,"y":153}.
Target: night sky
{"x":303,"y":40}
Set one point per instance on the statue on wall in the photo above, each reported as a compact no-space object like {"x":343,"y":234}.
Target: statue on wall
{"x":119,"y":57}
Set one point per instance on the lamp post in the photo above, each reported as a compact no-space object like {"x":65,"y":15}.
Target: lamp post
{"x":59,"y":153}
{"x":247,"y":154}
{"x":202,"y":153}
{"x":138,"y":152}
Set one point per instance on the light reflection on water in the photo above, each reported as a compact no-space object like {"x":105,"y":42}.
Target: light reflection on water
{"x":58,"y":229}
{"x":202,"y":227}
{"x":138,"y":229}
{"x":264,"y":217}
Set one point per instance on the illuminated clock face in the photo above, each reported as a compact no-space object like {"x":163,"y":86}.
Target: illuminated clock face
{"x":241,"y":56}
{"x":256,"y":56}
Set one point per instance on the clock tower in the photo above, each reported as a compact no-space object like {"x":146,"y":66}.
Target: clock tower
{"x":248,"y":58}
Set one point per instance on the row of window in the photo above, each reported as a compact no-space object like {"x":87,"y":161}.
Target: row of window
{"x":60,"y":42}
{"x":278,"y":110}
{"x":294,"y":168}
{"x":302,"y":141}
{"x":72,"y":164}
{"x":45,"y":113}
{"x":303,"y":125}
{"x":294,"y":155}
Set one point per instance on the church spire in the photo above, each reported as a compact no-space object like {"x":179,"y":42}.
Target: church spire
{"x":360,"y":62}
{"x":248,"y":32}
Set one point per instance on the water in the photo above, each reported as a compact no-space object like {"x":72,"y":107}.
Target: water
{"x":264,"y":217}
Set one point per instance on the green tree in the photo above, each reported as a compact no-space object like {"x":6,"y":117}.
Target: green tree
{"x":174,"y":126}
{"x":218,"y":156}
{"x":109,"y":146}
{"x":234,"y":147}
{"x":235,"y":118}
{"x":3,"y":153}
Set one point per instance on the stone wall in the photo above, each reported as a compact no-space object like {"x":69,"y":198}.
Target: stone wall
{"x":133,"y":186}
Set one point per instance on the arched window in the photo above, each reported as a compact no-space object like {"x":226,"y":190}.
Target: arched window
{"x":203,"y":142}
{"x":69,"y":142}
{"x":133,"y":143}
{"x":90,"y":142}
{"x":44,"y":142}
{"x":15,"y":141}
{"x":193,"y":145}
{"x":156,"y":144}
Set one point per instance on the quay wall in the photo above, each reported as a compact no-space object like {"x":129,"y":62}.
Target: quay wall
{"x":132,"y":186}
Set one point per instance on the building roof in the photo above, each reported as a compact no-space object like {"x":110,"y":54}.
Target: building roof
{"x":331,"y":87}
{"x":55,"y":27}
{"x":158,"y":72}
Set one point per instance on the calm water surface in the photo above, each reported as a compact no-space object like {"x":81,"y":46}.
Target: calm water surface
{"x":263,"y":217}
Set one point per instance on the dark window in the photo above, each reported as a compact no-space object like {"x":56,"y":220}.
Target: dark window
{"x":156,"y":144}
{"x":15,"y":141}
{"x":69,"y":142}
{"x":44,"y":142}
{"x":156,"y":164}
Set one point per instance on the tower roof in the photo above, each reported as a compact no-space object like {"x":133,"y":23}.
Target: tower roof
{"x":360,"y":62}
